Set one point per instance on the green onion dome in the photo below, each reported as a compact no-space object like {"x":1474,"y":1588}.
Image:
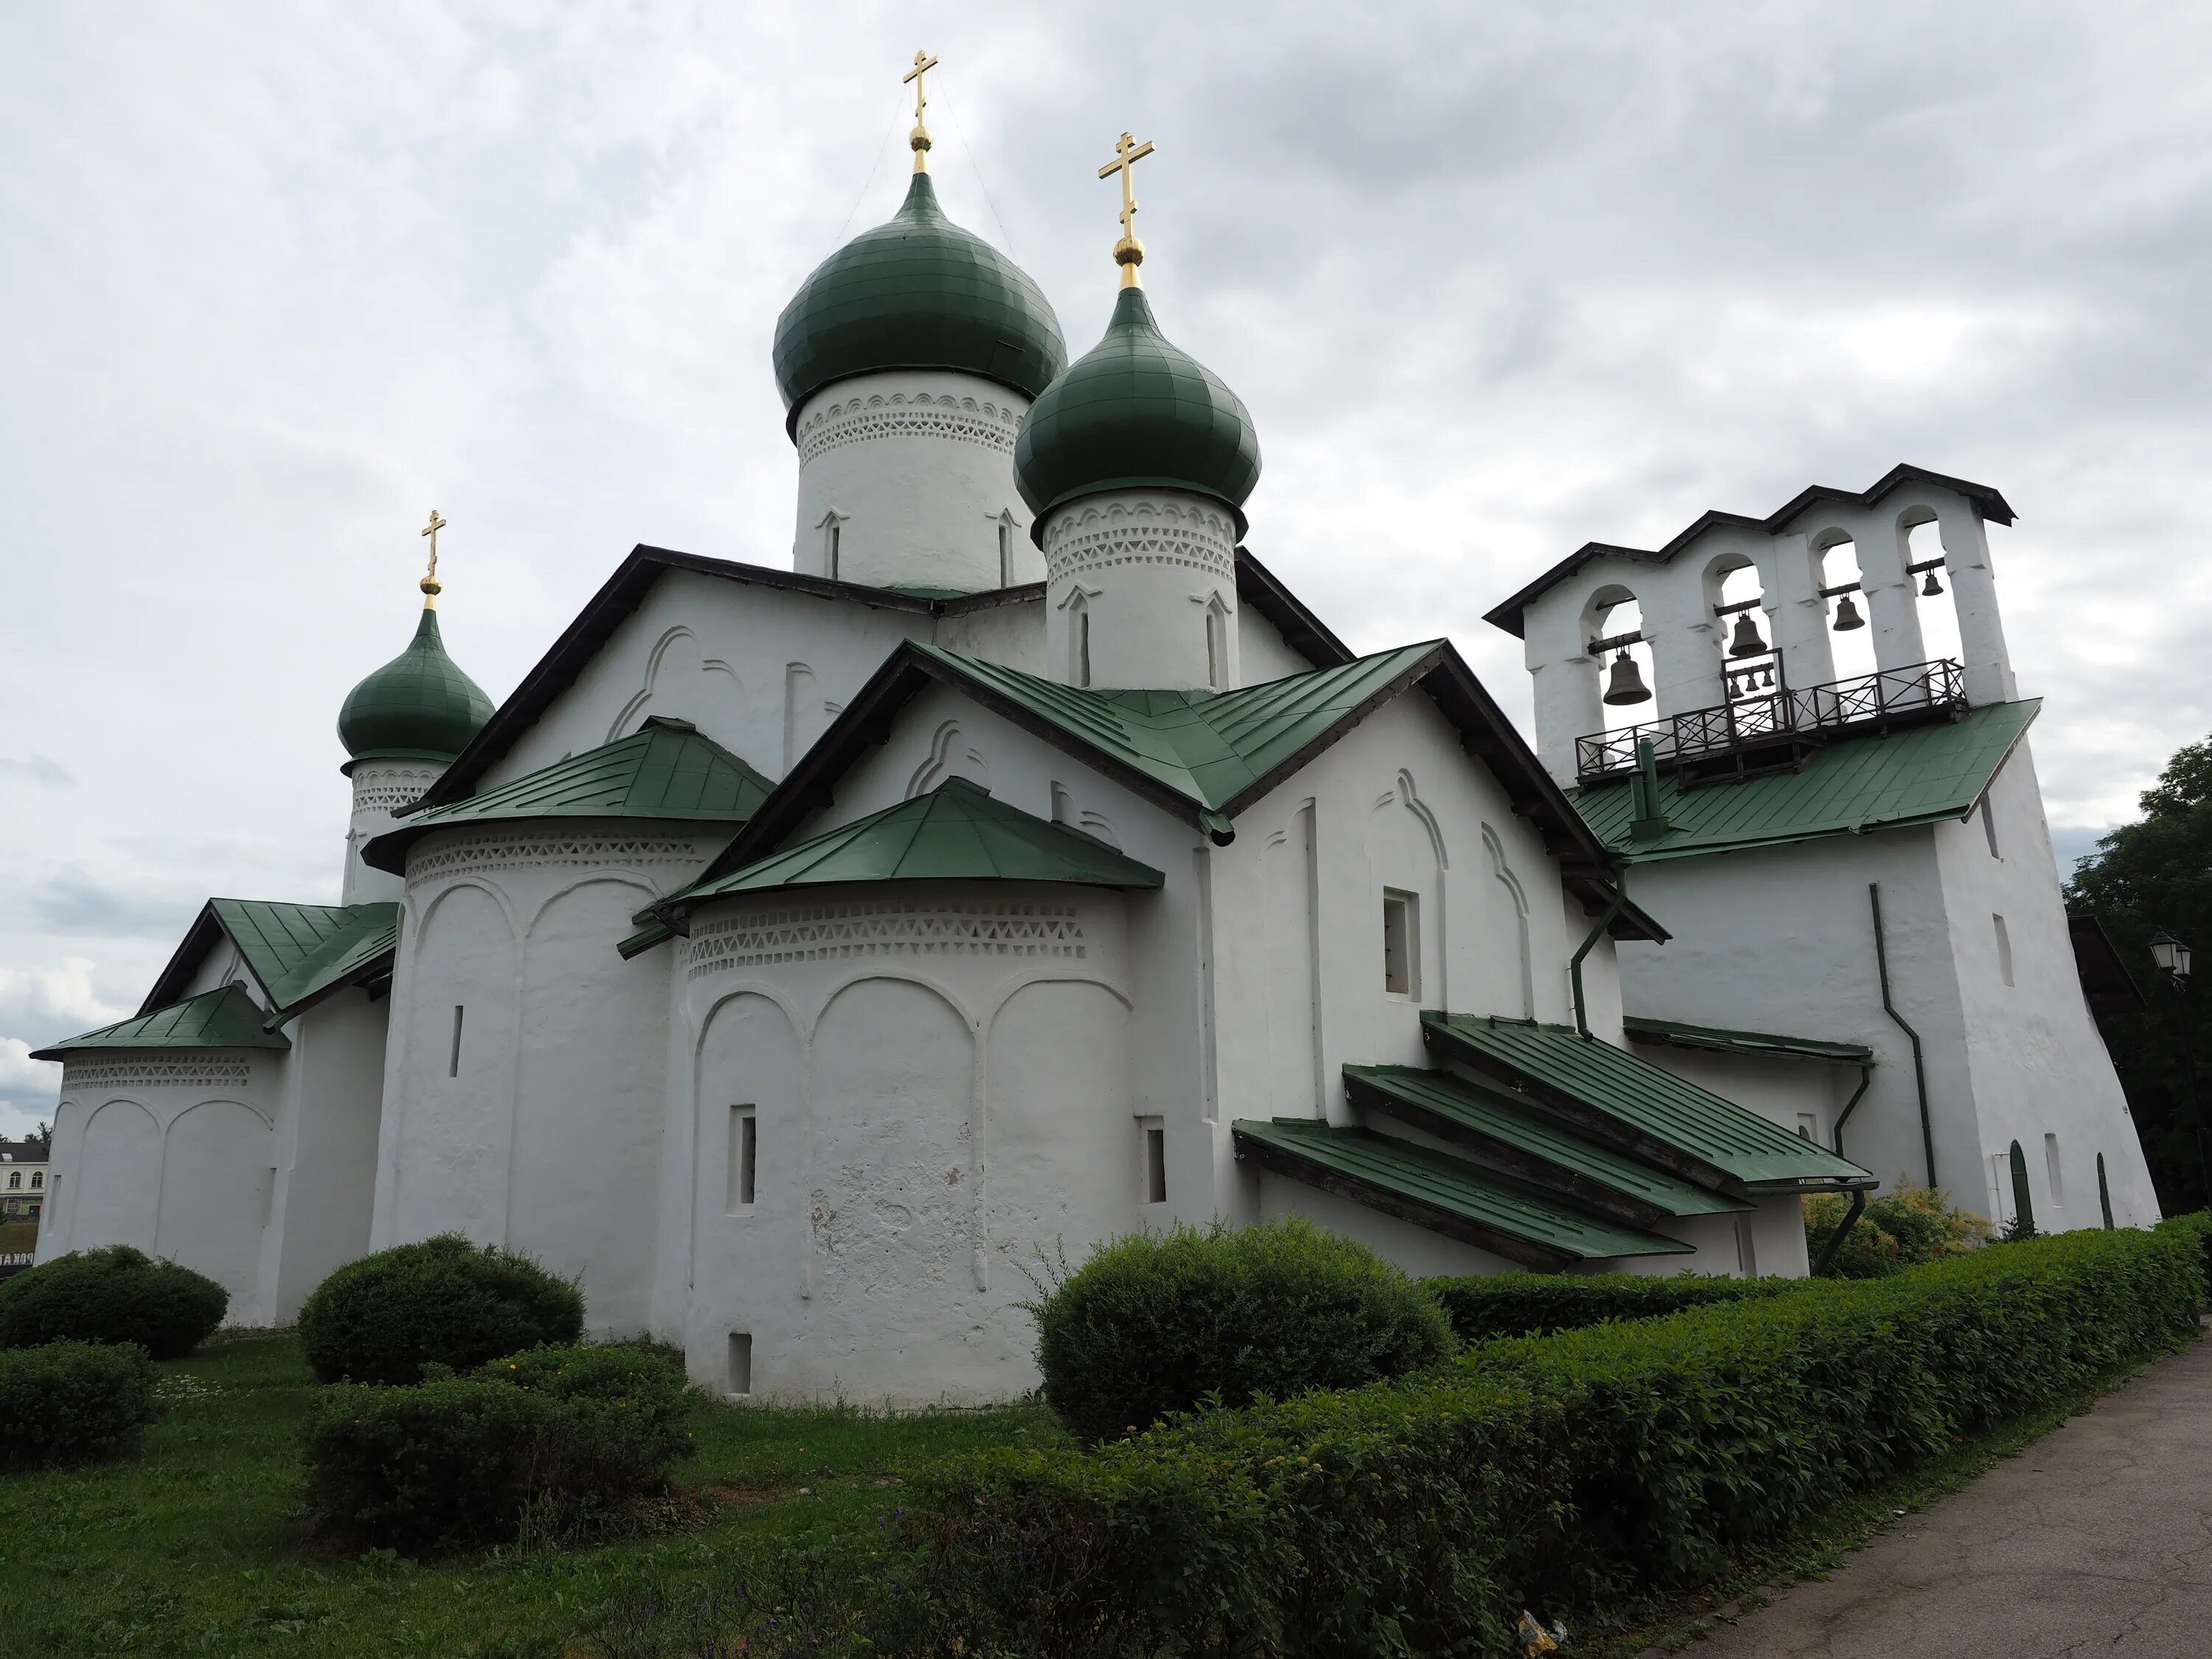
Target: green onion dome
{"x":918,"y":292}
{"x":419,"y":706}
{"x":1135,"y":412}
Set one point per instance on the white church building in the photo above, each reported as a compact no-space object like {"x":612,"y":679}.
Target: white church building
{"x":796,"y":957}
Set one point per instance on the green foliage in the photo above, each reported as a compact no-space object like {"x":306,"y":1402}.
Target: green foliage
{"x":1908,"y":1226}
{"x":562,"y":1443}
{"x":1155,"y":1323}
{"x":445,"y":1301}
{"x":70,"y":1400}
{"x":2195,"y":1231}
{"x":112,"y":1295}
{"x":1533,"y":1304}
{"x":2153,"y":874}
{"x":1565,"y":1473}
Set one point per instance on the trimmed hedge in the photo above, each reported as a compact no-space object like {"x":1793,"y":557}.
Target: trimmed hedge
{"x":1155,"y":1322}
{"x":2195,"y":1228}
{"x":442,"y":1302}
{"x":70,"y":1400}
{"x":556,"y":1440}
{"x":1561,"y":1474}
{"x":117,"y":1294}
{"x":1536,"y":1305}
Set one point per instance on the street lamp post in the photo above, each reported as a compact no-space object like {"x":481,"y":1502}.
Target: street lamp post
{"x":2172,"y":957}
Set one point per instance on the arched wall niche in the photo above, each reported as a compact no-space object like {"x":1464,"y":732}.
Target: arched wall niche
{"x":682,"y":680}
{"x":1512,"y":904}
{"x":115,"y":1193}
{"x":217,"y":1177}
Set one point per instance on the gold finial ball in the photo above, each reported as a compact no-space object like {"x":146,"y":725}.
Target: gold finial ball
{"x":431,"y":585}
{"x":919,"y":141}
{"x":1128,"y":251}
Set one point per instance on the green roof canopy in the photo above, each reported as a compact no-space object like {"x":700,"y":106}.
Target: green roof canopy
{"x":419,"y":706}
{"x":362,"y":950}
{"x":917,"y":292}
{"x":1925,"y":774}
{"x":288,"y":948}
{"x":1639,"y":1106}
{"x":1432,"y":1190}
{"x":225,"y":1018}
{"x":955,"y":832}
{"x":1538,"y":1148}
{"x":665,"y":769}
{"x":1136,"y":412}
{"x":1756,"y":1044}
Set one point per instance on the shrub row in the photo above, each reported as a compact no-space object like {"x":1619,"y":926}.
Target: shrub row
{"x":1585,"y":1468}
{"x":1535,"y":1304}
{"x":117,"y":1294}
{"x":560,"y":1442}
{"x":1158,"y":1322}
{"x":68,"y":1400}
{"x":442,"y":1302}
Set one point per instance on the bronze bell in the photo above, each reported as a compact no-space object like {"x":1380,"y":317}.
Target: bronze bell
{"x":1625,"y":685}
{"x":1931,"y":588}
{"x":1746,"y":641}
{"x":1847,"y":616}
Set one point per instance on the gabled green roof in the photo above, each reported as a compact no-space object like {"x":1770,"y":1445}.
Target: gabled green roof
{"x":1641,"y":1107}
{"x":360,"y":950}
{"x":1484,"y":1119}
{"x":277,"y":941}
{"x":1757,"y":1044}
{"x":1924,"y":775}
{"x":1441,"y":1193}
{"x":665,"y":769}
{"x":225,"y":1018}
{"x":955,"y":832}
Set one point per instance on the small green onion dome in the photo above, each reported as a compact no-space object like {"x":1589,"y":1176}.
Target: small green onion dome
{"x":1135,"y":413}
{"x":918,"y":292}
{"x":419,"y":706}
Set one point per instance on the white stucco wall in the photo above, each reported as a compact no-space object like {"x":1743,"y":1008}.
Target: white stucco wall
{"x":540,"y":1130}
{"x":914,"y":469}
{"x":1262,"y":652}
{"x":1154,"y":571}
{"x":170,"y":1150}
{"x":325,"y":1155}
{"x":381,"y":788}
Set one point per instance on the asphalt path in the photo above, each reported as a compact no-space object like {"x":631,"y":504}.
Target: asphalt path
{"x":2095,"y":1540}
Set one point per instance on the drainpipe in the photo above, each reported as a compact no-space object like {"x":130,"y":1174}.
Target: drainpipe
{"x":1836,"y":1239}
{"x":1866,"y":1081}
{"x":1919,"y":1065}
{"x":1575,"y":967}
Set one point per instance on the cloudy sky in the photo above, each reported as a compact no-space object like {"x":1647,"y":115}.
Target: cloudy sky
{"x":1494,"y":281}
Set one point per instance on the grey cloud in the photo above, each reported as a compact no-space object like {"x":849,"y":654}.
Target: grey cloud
{"x":38,"y":770}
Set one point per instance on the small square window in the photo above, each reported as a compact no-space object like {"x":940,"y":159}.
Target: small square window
{"x":1153,"y":1140}
{"x":741,"y":1362}
{"x":1402,"y":943}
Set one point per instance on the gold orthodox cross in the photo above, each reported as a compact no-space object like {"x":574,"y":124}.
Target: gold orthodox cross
{"x":1128,"y":252}
{"x":430,"y":586}
{"x":923,"y":63}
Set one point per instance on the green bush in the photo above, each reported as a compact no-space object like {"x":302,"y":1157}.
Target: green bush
{"x":68,"y":1400}
{"x":1155,"y":1323}
{"x":443,"y":1302}
{"x":1908,"y":1226}
{"x":1562,"y":1474}
{"x":112,"y":1295}
{"x":2196,"y":1229}
{"x":561,"y":1442}
{"x":1535,"y":1304}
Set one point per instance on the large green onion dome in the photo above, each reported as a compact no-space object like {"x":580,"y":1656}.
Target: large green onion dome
{"x":918,"y":292}
{"x":419,"y":706}
{"x":1136,"y":412}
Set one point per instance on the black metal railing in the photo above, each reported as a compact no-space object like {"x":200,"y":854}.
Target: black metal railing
{"x":1924,"y":690}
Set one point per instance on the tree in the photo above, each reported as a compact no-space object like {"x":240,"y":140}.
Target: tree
{"x":43,"y":1137}
{"x":2157,"y":873}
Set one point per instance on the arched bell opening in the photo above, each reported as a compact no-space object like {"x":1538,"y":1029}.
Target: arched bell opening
{"x":1750,"y":666}
{"x":1620,"y":657}
{"x":1932,"y":587}
{"x":1837,"y":578}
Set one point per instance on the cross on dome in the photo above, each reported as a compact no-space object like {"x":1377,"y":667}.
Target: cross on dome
{"x":431,"y":585}
{"x":923,"y":63}
{"x":1128,"y":252}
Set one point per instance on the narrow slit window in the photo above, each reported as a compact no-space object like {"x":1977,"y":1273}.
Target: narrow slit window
{"x":1217,"y":649}
{"x":745,"y":1156}
{"x":1005,"y":553}
{"x":831,"y":535}
{"x":1063,"y":807}
{"x":2004,"y":949}
{"x":1083,"y":646}
{"x":741,"y":1362}
{"x":1155,"y":1137}
{"x":1402,"y":943}
{"x":2051,"y":1168}
{"x":1747,"y":1249}
{"x":1990,"y":829}
{"x":454,"y":1060}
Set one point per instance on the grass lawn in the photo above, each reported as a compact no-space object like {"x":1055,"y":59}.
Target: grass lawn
{"x":198,"y":1545}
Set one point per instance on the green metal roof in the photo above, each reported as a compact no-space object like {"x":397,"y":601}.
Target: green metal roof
{"x":1643,"y":1103}
{"x":359,"y":950}
{"x":955,"y":832}
{"x":1210,"y":747}
{"x":665,"y":769}
{"x":1461,"y":1110}
{"x":1759,"y":1044}
{"x":1925,"y":774}
{"x":1135,"y":412}
{"x":419,"y":706}
{"x":917,"y":292}
{"x":1440,"y":1192}
{"x":223,"y":1018}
